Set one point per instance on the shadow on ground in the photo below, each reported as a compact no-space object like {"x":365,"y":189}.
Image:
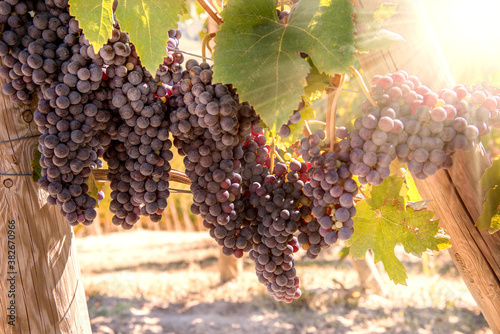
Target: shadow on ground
{"x":158,"y":266}
{"x":263,"y":315}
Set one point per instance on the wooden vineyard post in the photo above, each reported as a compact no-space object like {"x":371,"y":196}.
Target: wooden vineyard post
{"x":456,"y":195}
{"x":369,"y":276}
{"x":41,"y":289}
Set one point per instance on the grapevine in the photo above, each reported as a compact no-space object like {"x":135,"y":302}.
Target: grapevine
{"x":96,"y":103}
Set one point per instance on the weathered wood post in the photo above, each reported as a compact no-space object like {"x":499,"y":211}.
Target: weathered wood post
{"x":456,"y":193}
{"x":40,"y":286}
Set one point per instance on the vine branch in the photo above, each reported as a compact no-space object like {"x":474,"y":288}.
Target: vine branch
{"x":307,"y":130}
{"x":273,"y":152}
{"x":210,"y":9}
{"x":278,"y":156}
{"x":332,"y":109}
{"x":363,"y":85}
{"x":188,"y":53}
{"x":313,"y":121}
{"x":174,"y":176}
{"x":206,"y":45}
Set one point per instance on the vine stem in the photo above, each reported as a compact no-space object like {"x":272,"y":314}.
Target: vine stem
{"x":313,"y":121}
{"x":273,"y":152}
{"x":328,"y":106}
{"x":188,"y":53}
{"x":180,"y":191}
{"x":363,"y":85}
{"x":307,"y":129}
{"x":362,"y":192}
{"x":345,"y":90}
{"x":331,"y":112}
{"x":334,"y":108}
{"x":210,"y":9}
{"x":174,"y":176}
{"x":278,"y":156}
{"x":205,"y":45}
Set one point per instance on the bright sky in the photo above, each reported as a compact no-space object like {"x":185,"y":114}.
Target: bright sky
{"x":469,"y":34}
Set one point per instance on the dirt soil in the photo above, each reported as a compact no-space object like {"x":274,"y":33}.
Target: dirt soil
{"x":168,"y":282}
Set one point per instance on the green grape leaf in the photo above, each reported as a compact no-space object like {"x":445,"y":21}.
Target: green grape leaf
{"x":259,"y":55}
{"x":148,"y":22}
{"x":375,"y":231}
{"x":384,"y":12}
{"x":93,"y":187}
{"x":384,"y":220}
{"x":95,"y":18}
{"x":490,"y":217}
{"x":421,"y":234}
{"x":36,"y":174}
{"x":491,"y":176}
{"x":316,"y":83}
{"x":379,"y":39}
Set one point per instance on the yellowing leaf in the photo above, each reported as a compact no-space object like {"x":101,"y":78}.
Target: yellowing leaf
{"x":412,"y":193}
{"x":442,"y":240}
{"x":316,"y":82}
{"x":93,"y":188}
{"x":490,"y":217}
{"x":491,"y":176}
{"x":148,"y":22}
{"x":384,"y":11}
{"x":95,"y":18}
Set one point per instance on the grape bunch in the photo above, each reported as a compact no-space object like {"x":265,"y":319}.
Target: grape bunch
{"x":419,"y":127}
{"x":27,"y":48}
{"x":209,"y":127}
{"x":277,"y":199}
{"x":69,"y":115}
{"x":256,"y":159}
{"x":140,"y":131}
{"x":373,"y":143}
{"x":91,"y":104}
{"x":122,"y":205}
{"x":330,"y":189}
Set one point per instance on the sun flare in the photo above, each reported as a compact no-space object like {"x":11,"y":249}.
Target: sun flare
{"x":469,"y":34}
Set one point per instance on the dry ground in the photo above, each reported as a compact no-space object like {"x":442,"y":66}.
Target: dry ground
{"x":168,"y":282}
